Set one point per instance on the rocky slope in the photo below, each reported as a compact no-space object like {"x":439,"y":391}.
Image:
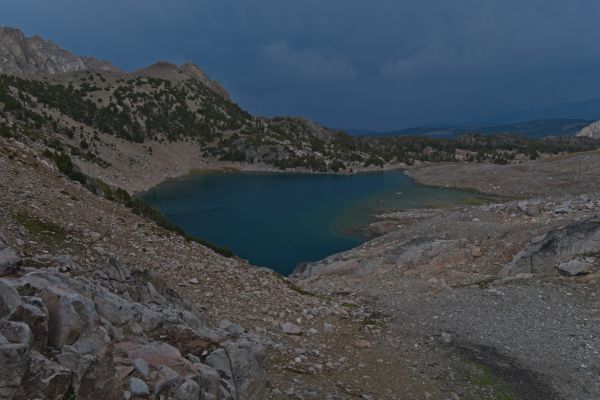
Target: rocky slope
{"x":591,"y":131}
{"x":133,"y":290}
{"x":509,"y":288}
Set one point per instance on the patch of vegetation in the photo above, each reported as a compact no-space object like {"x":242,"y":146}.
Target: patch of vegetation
{"x":350,"y":306}
{"x":69,"y":394}
{"x":65,"y":165}
{"x":487,"y":379}
{"x":47,"y":232}
{"x":296,"y":289}
{"x":478,"y":201}
{"x":140,"y":207}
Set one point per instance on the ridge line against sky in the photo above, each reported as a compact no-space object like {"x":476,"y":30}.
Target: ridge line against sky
{"x":381,"y":64}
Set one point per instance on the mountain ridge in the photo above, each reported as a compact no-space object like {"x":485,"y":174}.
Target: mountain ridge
{"x":21,"y":54}
{"x":532,"y":128}
{"x":136,"y":129}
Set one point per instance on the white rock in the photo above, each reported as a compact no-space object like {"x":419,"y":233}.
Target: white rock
{"x":291,"y":329}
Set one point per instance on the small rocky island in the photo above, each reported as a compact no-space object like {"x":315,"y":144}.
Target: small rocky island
{"x":103,"y":298}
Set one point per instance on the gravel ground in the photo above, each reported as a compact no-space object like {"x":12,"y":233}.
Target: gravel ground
{"x":436,"y":276}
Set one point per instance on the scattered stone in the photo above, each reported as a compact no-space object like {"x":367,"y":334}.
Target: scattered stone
{"x":188,"y":390}
{"x":362,"y":344}
{"x":291,"y":329}
{"x":141,"y":366}
{"x":138,"y":387}
{"x":476,"y":252}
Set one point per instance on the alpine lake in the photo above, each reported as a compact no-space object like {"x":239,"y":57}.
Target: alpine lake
{"x":278,"y":220}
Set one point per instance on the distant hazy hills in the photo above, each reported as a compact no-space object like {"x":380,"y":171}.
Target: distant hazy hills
{"x":533,"y":129}
{"x":585,"y":110}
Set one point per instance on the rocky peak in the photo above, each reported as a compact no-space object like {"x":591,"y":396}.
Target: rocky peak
{"x":171,"y":71}
{"x":591,"y":131}
{"x":21,"y":54}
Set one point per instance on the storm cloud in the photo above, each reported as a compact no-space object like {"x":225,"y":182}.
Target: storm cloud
{"x":378,"y":64}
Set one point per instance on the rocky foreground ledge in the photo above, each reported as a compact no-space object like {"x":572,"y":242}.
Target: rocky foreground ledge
{"x":114,"y":335}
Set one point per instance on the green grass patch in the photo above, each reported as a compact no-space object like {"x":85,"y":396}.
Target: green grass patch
{"x":478,"y":201}
{"x":46,"y":232}
{"x":296,"y":289}
{"x":500,"y":388}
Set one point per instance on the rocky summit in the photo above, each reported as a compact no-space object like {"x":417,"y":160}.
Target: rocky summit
{"x":31,"y":55}
{"x":102,"y":297}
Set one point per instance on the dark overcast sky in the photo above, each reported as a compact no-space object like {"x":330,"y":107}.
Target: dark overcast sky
{"x":377,"y":64}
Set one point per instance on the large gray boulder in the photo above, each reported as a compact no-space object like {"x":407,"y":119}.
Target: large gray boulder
{"x":14,"y":359}
{"x":10,"y":300}
{"x":91,"y":360}
{"x":9,"y":260}
{"x":70,"y":315}
{"x":242,"y":362}
{"x":543,"y":255}
{"x":574,"y":267}
{"x":33,"y":312}
{"x":45,"y":379}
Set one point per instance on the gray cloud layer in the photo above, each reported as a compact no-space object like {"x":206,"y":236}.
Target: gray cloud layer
{"x":378,"y":64}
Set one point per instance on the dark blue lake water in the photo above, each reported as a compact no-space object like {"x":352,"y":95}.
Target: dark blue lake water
{"x":280,"y":220}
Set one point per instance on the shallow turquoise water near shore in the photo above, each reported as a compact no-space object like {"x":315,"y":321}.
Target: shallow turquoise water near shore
{"x":280,"y":220}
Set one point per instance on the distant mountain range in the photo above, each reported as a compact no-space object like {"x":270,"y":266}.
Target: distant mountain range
{"x":533,"y":129}
{"x":585,"y":110}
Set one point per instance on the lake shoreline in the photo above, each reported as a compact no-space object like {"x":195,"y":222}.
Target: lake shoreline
{"x":227,"y":168}
{"x":293,"y":217}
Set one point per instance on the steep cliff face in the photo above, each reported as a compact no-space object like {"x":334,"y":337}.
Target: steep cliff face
{"x":21,"y":54}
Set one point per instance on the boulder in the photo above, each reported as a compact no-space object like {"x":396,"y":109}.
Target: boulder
{"x":242,"y":363}
{"x":65,"y":263}
{"x":291,"y":329}
{"x":116,"y":272}
{"x":9,"y":261}
{"x":141,"y":366}
{"x":542,"y":255}
{"x":167,"y":378}
{"x":208,"y":378}
{"x":91,"y":359}
{"x":188,"y":390}
{"x":574,"y":267}
{"x":34,"y":314}
{"x":16,"y":332}
{"x":138,"y":387}
{"x":45,"y":379}
{"x":10,"y":300}
{"x":70,"y":315}
{"x":17,"y":356}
